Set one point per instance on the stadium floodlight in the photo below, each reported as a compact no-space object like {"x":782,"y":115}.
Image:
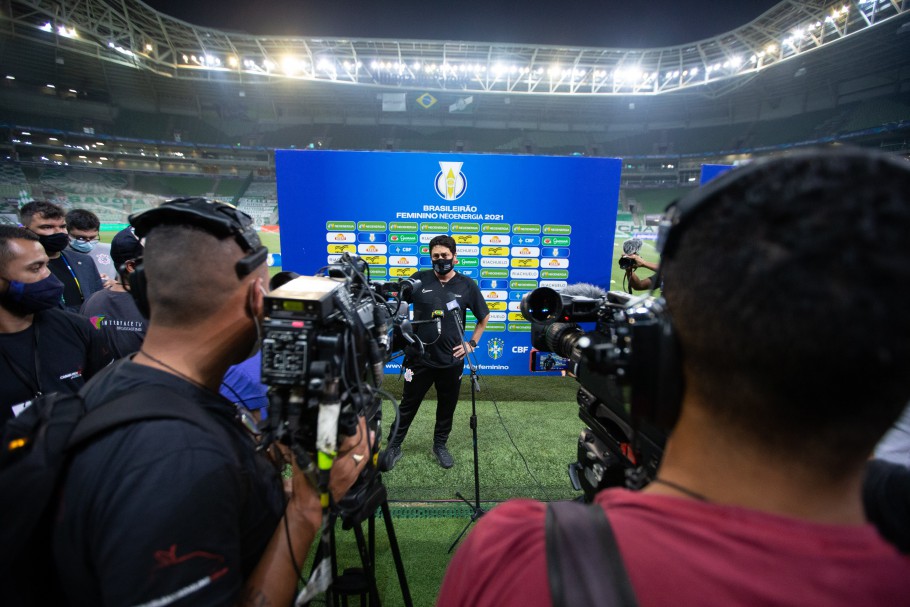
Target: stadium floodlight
{"x":47,"y":27}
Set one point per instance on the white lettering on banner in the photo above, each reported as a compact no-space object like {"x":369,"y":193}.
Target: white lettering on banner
{"x":426,"y":238}
{"x":498,"y":316}
{"x":514,"y":306}
{"x":520,"y":349}
{"x":554,"y":263}
{"x":467,"y":250}
{"x":530,"y":274}
{"x":525,"y":251}
{"x":372,"y":249}
{"x":402,"y":260}
{"x":500,"y":295}
{"x":340,"y":237}
{"x":554,"y":284}
{"x":495,"y":239}
{"x":494,"y":262}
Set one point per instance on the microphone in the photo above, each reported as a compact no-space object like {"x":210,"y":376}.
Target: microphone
{"x":632,"y":246}
{"x":584,"y":289}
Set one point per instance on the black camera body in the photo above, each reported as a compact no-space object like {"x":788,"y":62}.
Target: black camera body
{"x":626,"y":263}
{"x":325,"y":341}
{"x":630,"y":376}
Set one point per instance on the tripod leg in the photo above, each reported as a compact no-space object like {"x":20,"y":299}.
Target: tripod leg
{"x":367,"y":562}
{"x":396,"y":554}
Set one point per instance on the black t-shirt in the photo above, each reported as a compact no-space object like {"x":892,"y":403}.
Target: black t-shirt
{"x":164,"y":508}
{"x":115,"y":315}
{"x":69,"y":352}
{"x":431,"y":301}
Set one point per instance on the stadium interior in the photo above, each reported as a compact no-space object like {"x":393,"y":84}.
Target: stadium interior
{"x":116,"y":107}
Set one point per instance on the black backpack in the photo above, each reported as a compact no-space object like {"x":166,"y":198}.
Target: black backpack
{"x":34,"y":453}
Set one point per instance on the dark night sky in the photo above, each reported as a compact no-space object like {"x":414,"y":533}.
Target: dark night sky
{"x":607,"y":23}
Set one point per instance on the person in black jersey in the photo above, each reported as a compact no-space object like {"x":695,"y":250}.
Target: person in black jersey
{"x":163,"y":511}
{"x":42,"y":348}
{"x":442,"y":362}
{"x":113,"y":311}
{"x":77,"y":271}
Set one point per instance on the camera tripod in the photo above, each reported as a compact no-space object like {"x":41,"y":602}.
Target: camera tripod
{"x":362,"y":581}
{"x":476,"y":510}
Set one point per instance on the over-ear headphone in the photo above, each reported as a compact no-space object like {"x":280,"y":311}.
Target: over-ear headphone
{"x":219,"y":219}
{"x":653,"y":373}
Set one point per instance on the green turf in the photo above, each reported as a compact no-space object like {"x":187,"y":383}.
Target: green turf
{"x":540,"y":415}
{"x":523,"y":445}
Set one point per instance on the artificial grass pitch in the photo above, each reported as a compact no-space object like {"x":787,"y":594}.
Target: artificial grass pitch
{"x":539,"y":413}
{"x":527,"y":434}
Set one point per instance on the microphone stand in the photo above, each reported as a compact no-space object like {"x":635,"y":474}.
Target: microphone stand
{"x":476,"y":510}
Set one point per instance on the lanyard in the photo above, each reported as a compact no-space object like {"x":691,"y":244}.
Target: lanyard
{"x":73,"y":274}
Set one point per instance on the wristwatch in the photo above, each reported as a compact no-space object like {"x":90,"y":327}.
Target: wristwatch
{"x":472,"y":343}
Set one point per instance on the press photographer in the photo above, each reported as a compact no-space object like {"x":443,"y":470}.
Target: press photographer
{"x":757,"y":499}
{"x":186,"y":508}
{"x":631,"y":261}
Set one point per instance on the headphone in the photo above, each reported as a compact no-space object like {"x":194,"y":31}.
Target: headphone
{"x":217,"y":218}
{"x":654,"y":369}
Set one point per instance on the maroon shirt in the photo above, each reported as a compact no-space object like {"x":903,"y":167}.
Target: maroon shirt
{"x":684,"y":552}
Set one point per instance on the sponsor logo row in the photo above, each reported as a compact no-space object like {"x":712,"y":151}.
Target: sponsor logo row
{"x":462,"y":251}
{"x":494,"y":240}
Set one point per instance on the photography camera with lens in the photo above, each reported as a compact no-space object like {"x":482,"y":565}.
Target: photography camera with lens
{"x":629,"y":247}
{"x":627,"y":362}
{"x":325,"y":341}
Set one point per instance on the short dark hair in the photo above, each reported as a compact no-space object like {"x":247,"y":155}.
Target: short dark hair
{"x":46,"y":209}
{"x":82,"y":219}
{"x":188,"y":270}
{"x":788,"y":288}
{"x":8,"y":233}
{"x":443,"y":240}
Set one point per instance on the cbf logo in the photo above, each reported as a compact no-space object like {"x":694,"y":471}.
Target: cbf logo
{"x":450,"y":181}
{"x":495,"y":348}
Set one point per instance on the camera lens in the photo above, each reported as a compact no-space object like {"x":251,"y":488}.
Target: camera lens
{"x":626,"y":262}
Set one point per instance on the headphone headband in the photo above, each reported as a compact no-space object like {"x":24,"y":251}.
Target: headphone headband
{"x":217,"y":218}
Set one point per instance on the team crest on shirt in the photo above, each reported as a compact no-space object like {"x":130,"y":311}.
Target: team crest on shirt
{"x":408,"y":375}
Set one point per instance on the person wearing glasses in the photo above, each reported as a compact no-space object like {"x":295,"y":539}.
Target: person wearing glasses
{"x":75,"y":270}
{"x":83,"y":228}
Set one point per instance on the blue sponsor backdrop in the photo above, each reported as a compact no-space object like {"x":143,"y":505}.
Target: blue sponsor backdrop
{"x":520,"y":222}
{"x":710,"y":171}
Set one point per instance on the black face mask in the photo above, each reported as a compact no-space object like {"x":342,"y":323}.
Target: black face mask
{"x":443,"y":266}
{"x":54,"y":243}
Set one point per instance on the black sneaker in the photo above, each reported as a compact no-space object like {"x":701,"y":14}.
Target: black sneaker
{"x":392,"y":455}
{"x":443,"y":456}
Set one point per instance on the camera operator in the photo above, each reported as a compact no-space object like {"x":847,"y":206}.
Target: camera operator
{"x":635,"y":262}
{"x":794,"y":365}
{"x":442,"y":364}
{"x":163,"y":509}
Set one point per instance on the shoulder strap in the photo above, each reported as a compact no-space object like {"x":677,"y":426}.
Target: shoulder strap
{"x":146,"y":404}
{"x":582,"y":571}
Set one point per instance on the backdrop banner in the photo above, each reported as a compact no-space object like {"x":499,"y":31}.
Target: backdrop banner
{"x":520,"y":222}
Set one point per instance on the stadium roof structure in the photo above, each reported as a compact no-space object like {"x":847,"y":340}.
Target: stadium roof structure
{"x":798,"y":56}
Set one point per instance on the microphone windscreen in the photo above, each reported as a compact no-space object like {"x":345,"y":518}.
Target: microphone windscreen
{"x":584,"y":289}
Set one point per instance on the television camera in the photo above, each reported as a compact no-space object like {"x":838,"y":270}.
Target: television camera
{"x":325,"y":341}
{"x":626,"y":360}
